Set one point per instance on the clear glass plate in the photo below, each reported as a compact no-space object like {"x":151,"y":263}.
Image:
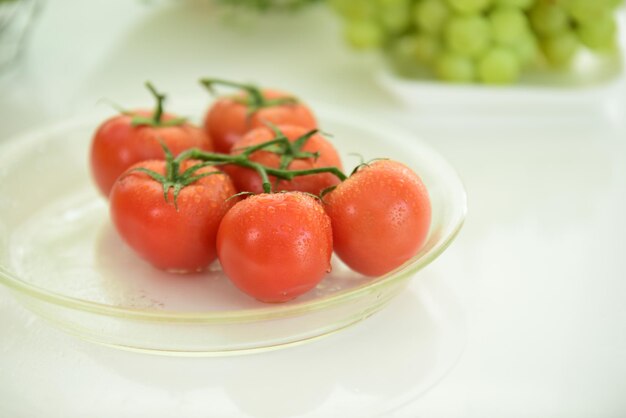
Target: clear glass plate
{"x":64,"y":261}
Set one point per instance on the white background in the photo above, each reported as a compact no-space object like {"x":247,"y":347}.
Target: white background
{"x":533,"y":292}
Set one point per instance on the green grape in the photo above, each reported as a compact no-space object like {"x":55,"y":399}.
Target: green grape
{"x":508,"y":25}
{"x":427,"y":48}
{"x":526,"y":49}
{"x":401,"y":51}
{"x":490,"y":41}
{"x":395,"y":21}
{"x":254,"y":5}
{"x":469,"y":6}
{"x":548,"y":19}
{"x":598,"y":35}
{"x":404,"y":47}
{"x":431,"y":15}
{"x":354,"y":9}
{"x":498,"y":66}
{"x":394,"y":15}
{"x":416,"y":48}
{"x":520,"y":4}
{"x":363,"y":34}
{"x":560,"y":49}
{"x":382,"y":5}
{"x":456,"y":68}
{"x":467,"y":35}
{"x":589,"y":11}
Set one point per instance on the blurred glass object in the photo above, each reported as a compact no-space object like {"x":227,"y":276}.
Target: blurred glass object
{"x":16,"y":17}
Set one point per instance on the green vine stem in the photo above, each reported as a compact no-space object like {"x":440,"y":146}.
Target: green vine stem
{"x":173,"y":178}
{"x":243,"y":160}
{"x":256,"y":99}
{"x":156,"y":120}
{"x":160,"y":98}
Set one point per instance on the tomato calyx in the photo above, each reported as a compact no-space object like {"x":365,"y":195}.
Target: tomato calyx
{"x":366,"y":164}
{"x":289,"y":151}
{"x":173,"y":178}
{"x":279,"y":145}
{"x":356,"y":169}
{"x":254,"y":99}
{"x":293,"y":150}
{"x":156,"y":120}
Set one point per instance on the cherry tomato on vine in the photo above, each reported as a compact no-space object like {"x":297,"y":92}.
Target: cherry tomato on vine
{"x":131,"y":137}
{"x":302,"y":141}
{"x":175,"y":230}
{"x":275,"y":247}
{"x":380,"y":217}
{"x":230,"y":117}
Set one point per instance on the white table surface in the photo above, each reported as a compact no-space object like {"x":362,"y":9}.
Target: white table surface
{"x":530,"y":299}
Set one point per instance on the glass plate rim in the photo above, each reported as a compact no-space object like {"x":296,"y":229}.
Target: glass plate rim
{"x":244,"y":315}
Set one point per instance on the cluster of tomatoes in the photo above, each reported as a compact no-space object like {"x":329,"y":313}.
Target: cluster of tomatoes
{"x":257,"y":187}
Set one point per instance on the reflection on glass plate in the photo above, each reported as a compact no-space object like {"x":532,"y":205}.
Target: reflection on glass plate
{"x":371,"y":370}
{"x":59,"y":253}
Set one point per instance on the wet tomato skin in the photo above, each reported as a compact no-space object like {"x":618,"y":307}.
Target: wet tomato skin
{"x":380,"y":217}
{"x":228,"y":119}
{"x":179,"y":240}
{"x":275,"y":247}
{"x":246,"y":179}
{"x":117,"y":145}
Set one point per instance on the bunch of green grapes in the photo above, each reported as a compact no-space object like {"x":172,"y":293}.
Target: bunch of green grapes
{"x":265,"y":5}
{"x":488,"y":41}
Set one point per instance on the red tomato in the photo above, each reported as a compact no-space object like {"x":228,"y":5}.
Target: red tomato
{"x":275,"y":247}
{"x":248,"y":180}
{"x":118,"y":144}
{"x":229,"y":119}
{"x":180,"y":240}
{"x":380,"y":217}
